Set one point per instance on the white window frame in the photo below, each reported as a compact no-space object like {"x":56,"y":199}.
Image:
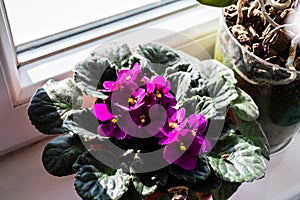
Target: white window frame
{"x":18,"y":80}
{"x":198,"y":23}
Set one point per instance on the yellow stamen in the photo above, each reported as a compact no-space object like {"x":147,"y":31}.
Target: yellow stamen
{"x":194,"y":133}
{"x":173,"y":125}
{"x":182,"y":147}
{"x":128,"y":78}
{"x":114,"y":120}
{"x":131,"y":100}
{"x":143,"y":119}
{"x":158,"y":95}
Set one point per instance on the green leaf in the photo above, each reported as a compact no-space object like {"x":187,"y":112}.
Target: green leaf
{"x":142,"y":188}
{"x":214,"y":70}
{"x":225,"y":191}
{"x":180,"y":85}
{"x":217,"y":3}
{"x":244,"y":106}
{"x":200,"y":173}
{"x":91,"y":73}
{"x":181,"y":66}
{"x":158,"y":56}
{"x":52,"y":103}
{"x":118,"y":56}
{"x":83,"y":123}
{"x":204,"y":105}
{"x":146,"y":183}
{"x":253,"y":131}
{"x":132,"y":194}
{"x":87,"y":158}
{"x":220,"y":83}
{"x":235,"y":159}
{"x":61,"y":153}
{"x":199,"y":86}
{"x":93,"y":184}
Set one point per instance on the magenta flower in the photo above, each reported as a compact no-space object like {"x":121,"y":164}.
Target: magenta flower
{"x":136,"y":100}
{"x":127,"y":79}
{"x":175,"y":123}
{"x":197,"y":123}
{"x":108,"y":127}
{"x":184,"y":148}
{"x":162,"y":92}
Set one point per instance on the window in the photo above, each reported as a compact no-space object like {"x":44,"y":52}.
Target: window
{"x":33,"y":40}
{"x":35,"y":24}
{"x":185,"y":25}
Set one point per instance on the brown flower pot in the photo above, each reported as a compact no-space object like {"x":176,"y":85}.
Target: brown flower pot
{"x":180,"y":193}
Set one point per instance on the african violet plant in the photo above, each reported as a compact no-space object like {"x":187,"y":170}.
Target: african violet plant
{"x":162,"y":123}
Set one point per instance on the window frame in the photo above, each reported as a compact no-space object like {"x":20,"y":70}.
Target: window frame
{"x":18,"y":80}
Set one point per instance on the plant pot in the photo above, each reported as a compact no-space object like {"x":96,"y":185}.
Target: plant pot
{"x":275,"y":89}
{"x":179,"y":193}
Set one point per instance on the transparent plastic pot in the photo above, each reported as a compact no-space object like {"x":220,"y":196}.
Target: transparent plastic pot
{"x":275,"y":90}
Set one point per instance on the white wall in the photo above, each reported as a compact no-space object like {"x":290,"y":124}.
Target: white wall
{"x":15,"y":127}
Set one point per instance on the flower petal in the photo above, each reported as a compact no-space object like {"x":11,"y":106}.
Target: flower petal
{"x":172,"y":152}
{"x":170,"y":137}
{"x":102,"y":112}
{"x":167,"y":87}
{"x":118,"y":133}
{"x":197,"y":122}
{"x":187,"y":161}
{"x":160,"y":82}
{"x":109,"y":86}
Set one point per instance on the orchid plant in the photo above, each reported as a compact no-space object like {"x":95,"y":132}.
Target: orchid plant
{"x":161,"y":121}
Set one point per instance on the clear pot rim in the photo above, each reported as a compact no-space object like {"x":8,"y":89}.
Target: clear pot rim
{"x":222,"y":19}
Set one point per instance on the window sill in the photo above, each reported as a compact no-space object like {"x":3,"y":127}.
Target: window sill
{"x":188,"y":29}
{"x":31,"y":181}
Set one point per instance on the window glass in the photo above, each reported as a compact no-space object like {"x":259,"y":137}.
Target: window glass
{"x":34,"y":19}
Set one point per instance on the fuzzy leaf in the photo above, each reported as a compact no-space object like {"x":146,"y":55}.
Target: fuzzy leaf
{"x":52,"y":103}
{"x":253,"y":131}
{"x":118,"y":56}
{"x":146,"y":183}
{"x":220,"y":3}
{"x":142,"y":188}
{"x":91,"y":184}
{"x":132,"y":194}
{"x":61,"y":153}
{"x":82,"y":123}
{"x":181,"y":66}
{"x":159,"y":56}
{"x":204,"y":105}
{"x":220,"y":82}
{"x":200,"y":173}
{"x":91,"y":73}
{"x":88,"y":158}
{"x":180,"y":85}
{"x":244,"y":106}
{"x":235,"y":159}
{"x":225,"y":191}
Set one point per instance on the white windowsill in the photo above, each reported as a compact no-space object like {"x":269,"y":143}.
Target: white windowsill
{"x":193,"y":25}
{"x":23,"y":177}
